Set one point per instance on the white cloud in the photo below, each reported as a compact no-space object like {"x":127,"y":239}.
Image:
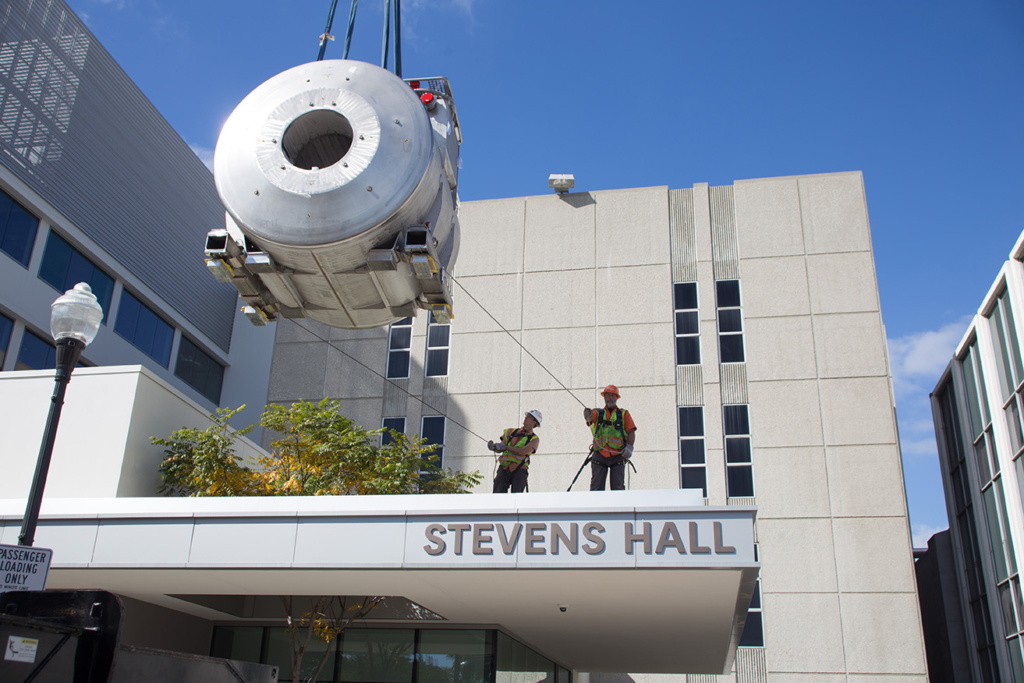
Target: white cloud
{"x":924,"y":355}
{"x":205,"y":155}
{"x":922,"y":532}
{"x":924,"y":446}
{"x":115,"y":4}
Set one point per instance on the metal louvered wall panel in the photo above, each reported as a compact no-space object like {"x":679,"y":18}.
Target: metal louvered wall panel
{"x":435,"y":395}
{"x":689,"y":385}
{"x":396,"y":397}
{"x":750,"y":665}
{"x":682,"y":236}
{"x":77,"y":130}
{"x":725,"y":251}
{"x":734,"y":383}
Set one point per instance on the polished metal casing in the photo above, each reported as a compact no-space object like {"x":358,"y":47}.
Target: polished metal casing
{"x":310,"y":230}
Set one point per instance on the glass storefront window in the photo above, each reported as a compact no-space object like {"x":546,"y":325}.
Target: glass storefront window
{"x":379,"y":655}
{"x":455,"y":656}
{"x":279,"y":654}
{"x":517,"y":663}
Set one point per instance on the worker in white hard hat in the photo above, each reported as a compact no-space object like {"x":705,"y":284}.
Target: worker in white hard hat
{"x":514,"y":449}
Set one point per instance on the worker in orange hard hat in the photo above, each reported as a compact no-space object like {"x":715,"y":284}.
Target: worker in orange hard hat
{"x":614,"y":433}
{"x":515,"y":448}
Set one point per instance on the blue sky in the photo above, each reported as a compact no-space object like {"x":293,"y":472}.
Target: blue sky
{"x":926,"y":98}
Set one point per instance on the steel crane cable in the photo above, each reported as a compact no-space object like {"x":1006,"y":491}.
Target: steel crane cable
{"x":451,"y":278}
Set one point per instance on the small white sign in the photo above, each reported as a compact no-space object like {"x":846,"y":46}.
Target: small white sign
{"x":21,"y":649}
{"x":23,"y":568}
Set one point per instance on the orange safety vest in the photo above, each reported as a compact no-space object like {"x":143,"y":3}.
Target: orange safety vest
{"x":609,"y":433}
{"x":507,"y":458}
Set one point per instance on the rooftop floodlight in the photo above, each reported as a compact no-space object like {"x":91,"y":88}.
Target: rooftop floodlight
{"x":561,"y":182}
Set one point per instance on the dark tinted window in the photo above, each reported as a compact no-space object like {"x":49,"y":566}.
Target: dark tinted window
{"x":199,"y":370}
{"x":17,"y":230}
{"x":728,"y":292}
{"x":395,"y":423}
{"x":433,"y":432}
{"x":691,"y":422}
{"x":63,"y":267}
{"x":36,"y":353}
{"x":137,"y":323}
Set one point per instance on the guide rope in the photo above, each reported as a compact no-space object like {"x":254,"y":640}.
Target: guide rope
{"x":451,"y":278}
{"x":400,"y":388}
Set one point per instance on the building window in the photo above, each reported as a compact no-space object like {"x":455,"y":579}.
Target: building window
{"x":389,"y":423}
{"x":6,"y":327}
{"x":63,"y":267}
{"x":399,"y":343}
{"x":739,"y":471}
{"x":433,"y":431}
{"x":730,"y":321}
{"x":753,"y":630}
{"x":965,"y":528}
{"x":693,"y":471}
{"x":684,"y":300}
{"x":36,"y":353}
{"x":137,"y":323}
{"x":17,"y":230}
{"x":438,"y":341}
{"x":199,"y":370}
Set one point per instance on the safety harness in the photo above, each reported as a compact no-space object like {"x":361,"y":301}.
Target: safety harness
{"x":509,"y":459}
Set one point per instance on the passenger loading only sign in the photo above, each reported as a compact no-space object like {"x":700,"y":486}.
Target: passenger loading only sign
{"x":23,"y":568}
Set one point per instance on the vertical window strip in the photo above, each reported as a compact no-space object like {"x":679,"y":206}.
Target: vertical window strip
{"x":438,"y":343}
{"x":687,"y":323}
{"x":966,"y":532}
{"x":692,"y":461}
{"x":432,"y":429}
{"x":753,"y":630}
{"x":730,"y":321}
{"x":738,"y":462}
{"x":399,"y":344}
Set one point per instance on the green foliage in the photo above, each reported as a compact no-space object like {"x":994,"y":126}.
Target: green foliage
{"x":203,"y":462}
{"x":319,"y":452}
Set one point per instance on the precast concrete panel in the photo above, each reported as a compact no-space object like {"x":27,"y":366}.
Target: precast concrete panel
{"x":865,"y":480}
{"x":802,"y":555}
{"x":560,"y":232}
{"x":787,"y":414}
{"x":857,"y":411}
{"x":768,"y":218}
{"x":498,"y":303}
{"x":499,"y":248}
{"x":632,"y":227}
{"x":882,"y":633}
{"x":842,"y":283}
{"x":803,"y":632}
{"x":791,"y":482}
{"x":780,"y":348}
{"x":850,"y":345}
{"x":872,"y":555}
{"x":566,"y":298}
{"x":568,"y":356}
{"x":834,"y":213}
{"x":773,"y":287}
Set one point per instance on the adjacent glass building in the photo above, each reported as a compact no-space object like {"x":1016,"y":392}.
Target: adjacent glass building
{"x":977,"y":411}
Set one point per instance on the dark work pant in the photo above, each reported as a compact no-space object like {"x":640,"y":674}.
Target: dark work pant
{"x":599,"y":472}
{"x":517,"y":480}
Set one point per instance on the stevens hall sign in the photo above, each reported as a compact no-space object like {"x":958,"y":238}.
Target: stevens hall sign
{"x":714,"y":537}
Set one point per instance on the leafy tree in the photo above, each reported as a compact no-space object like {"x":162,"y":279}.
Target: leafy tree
{"x":318,"y":452}
{"x":202,"y":462}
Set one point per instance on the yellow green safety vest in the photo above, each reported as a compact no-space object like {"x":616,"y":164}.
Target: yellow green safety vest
{"x":609,"y":433}
{"x":507,"y":458}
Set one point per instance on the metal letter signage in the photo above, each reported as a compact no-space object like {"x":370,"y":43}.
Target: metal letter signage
{"x":23,"y":568}
{"x":617,"y":540}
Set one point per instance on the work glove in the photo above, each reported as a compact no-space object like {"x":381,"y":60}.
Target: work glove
{"x":490,"y":446}
{"x":627,"y":452}
{"x":500,"y":447}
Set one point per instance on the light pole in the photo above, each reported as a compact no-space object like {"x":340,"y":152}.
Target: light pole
{"x":74,"y":321}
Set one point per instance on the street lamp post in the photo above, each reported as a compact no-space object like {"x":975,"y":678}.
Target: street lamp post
{"x":74,"y":321}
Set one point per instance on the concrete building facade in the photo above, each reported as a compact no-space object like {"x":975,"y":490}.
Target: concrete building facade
{"x":742,"y":327}
{"x":977,"y":410}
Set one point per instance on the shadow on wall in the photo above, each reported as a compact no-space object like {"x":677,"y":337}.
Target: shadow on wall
{"x":577,"y":200}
